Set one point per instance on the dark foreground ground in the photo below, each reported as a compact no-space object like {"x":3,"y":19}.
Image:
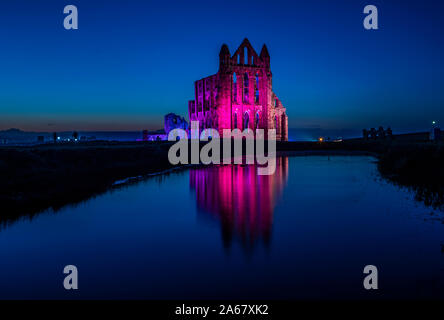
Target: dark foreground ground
{"x":39,"y":177}
{"x":36,"y":178}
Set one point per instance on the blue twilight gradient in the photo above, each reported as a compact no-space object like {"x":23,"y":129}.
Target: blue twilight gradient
{"x":131,"y":62}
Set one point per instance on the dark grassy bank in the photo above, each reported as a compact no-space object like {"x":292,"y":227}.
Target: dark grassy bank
{"x":36,"y":178}
{"x":417,"y":164}
{"x":419,"y":167}
{"x":39,"y":177}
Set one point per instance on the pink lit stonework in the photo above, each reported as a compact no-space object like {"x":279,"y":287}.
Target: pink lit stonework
{"x":240,"y":95}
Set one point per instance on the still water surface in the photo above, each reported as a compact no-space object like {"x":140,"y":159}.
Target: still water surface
{"x":223,"y":232}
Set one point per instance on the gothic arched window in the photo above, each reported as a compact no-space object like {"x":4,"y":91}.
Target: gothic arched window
{"x":246,"y":120}
{"x":246,"y":84}
{"x":245,"y":55}
{"x":256,"y":93}
{"x":277,"y":123}
{"x":283,"y":124}
{"x":235,"y":120}
{"x":257,"y":120}
{"x":234,"y":87}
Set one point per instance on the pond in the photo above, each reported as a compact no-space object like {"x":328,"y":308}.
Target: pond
{"x":306,"y":232}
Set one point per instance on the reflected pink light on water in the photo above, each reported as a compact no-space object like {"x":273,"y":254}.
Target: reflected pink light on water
{"x":240,"y":199}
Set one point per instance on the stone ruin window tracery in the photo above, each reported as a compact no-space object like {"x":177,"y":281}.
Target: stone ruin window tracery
{"x":256,"y":93}
{"x":222,"y":99}
{"x":246,"y":120}
{"x":235,"y":120}
{"x":246,"y":88}
{"x":234,"y":87}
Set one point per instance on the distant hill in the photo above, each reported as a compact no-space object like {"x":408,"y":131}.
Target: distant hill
{"x":12,"y":130}
{"x":17,"y":131}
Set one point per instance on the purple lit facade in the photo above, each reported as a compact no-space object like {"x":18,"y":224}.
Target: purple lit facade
{"x":240,"y":95}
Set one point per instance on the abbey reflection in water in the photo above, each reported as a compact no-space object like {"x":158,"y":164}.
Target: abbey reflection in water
{"x":240,"y":199}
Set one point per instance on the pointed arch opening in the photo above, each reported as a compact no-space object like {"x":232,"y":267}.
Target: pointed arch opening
{"x":283,"y":127}
{"x":234,"y":87}
{"x":235,"y":120}
{"x":246,"y":121}
{"x":246,"y":87}
{"x":256,"y":91}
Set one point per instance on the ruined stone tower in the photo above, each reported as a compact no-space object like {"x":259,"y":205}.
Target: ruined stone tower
{"x":239,"y":95}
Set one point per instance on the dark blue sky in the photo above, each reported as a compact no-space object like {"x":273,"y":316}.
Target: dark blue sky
{"x":130,"y":62}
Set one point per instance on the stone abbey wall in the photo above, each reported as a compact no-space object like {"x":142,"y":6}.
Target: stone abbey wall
{"x":240,"y":95}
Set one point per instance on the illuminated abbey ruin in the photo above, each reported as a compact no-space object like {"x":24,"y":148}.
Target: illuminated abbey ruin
{"x":239,"y":95}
